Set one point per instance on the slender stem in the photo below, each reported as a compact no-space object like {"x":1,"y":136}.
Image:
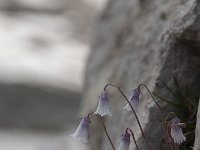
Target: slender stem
{"x":159,"y":108}
{"x":105,"y":130}
{"x":137,"y":148}
{"x":160,"y":111}
{"x":109,"y":84}
{"x":171,"y":143}
{"x":169,"y":138}
{"x":146,"y":141}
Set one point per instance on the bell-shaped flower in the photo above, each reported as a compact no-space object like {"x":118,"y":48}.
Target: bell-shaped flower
{"x":82,"y":132}
{"x":103,"y":106}
{"x":134,"y":99}
{"x":176,"y":131}
{"x":125,"y":141}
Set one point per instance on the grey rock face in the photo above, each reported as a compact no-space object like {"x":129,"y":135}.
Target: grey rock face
{"x":197,"y":132}
{"x":142,"y":42}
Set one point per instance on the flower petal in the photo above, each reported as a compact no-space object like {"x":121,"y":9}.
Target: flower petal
{"x":125,"y":142}
{"x":103,"y":106}
{"x":82,"y":132}
{"x":176,"y":132}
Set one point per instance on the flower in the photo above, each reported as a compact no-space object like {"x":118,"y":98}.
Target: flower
{"x":134,"y":99}
{"x":82,"y":132}
{"x":103,"y":106}
{"x":125,"y":142}
{"x":176,"y":131}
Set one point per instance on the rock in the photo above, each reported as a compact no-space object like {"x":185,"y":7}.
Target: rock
{"x":142,"y":42}
{"x":197,"y":131}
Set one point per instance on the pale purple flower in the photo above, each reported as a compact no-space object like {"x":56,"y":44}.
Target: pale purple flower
{"x":103,"y":106}
{"x":134,"y":99}
{"x":82,"y":132}
{"x":176,"y":131}
{"x":125,"y":142}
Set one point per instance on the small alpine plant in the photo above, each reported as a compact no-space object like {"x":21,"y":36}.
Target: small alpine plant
{"x":103,"y":106}
{"x":176,"y":131}
{"x":176,"y":134}
{"x":82,"y":132}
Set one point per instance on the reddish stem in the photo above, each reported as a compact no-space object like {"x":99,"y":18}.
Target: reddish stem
{"x":160,"y":111}
{"x":132,"y":134}
{"x":159,"y":108}
{"x":105,"y":130}
{"x":146,"y":141}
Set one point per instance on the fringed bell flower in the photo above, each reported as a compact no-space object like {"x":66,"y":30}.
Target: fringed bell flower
{"x":125,"y":142}
{"x":176,"y":131}
{"x":103,"y":106}
{"x":82,"y":132}
{"x":134,"y":99}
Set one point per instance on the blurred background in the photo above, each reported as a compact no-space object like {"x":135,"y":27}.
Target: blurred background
{"x":44,"y":46}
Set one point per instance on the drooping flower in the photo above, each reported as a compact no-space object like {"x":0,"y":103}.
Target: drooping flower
{"x":176,"y":131}
{"x":82,"y":132}
{"x":134,"y":99}
{"x":103,"y":106}
{"x":125,"y":142}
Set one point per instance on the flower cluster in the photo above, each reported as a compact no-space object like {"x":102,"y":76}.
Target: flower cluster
{"x":82,"y":132}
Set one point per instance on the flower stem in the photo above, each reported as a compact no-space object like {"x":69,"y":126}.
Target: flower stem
{"x":110,"y":85}
{"x":159,"y":108}
{"x":146,"y":141}
{"x":160,"y":111}
{"x":132,"y":134}
{"x":119,"y":89}
{"x":171,"y":143}
{"x":105,"y":130}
